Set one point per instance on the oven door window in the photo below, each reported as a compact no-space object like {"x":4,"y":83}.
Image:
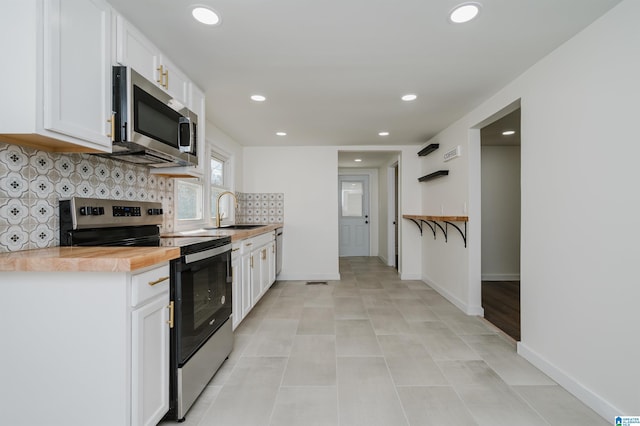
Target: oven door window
{"x":203,"y":296}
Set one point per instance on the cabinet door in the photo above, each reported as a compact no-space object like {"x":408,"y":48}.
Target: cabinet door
{"x":247,"y":299}
{"x":175,"y":82}
{"x":77,"y":69}
{"x":271,"y":262}
{"x":264,"y":269}
{"x":150,"y":362}
{"x":256,"y":278}
{"x":236,"y":284}
{"x":134,"y":50}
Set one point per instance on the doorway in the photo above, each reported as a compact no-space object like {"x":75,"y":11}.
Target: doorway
{"x":353,"y":205}
{"x":500,"y":201}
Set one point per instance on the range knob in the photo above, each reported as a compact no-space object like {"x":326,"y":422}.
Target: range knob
{"x":154,"y":212}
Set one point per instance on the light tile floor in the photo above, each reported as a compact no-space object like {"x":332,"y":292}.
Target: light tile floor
{"x":371,"y":349}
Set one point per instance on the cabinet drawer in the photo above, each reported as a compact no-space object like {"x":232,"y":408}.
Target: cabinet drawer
{"x":150,"y":283}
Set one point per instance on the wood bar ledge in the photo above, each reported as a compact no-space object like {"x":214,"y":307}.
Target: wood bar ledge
{"x":447,"y":220}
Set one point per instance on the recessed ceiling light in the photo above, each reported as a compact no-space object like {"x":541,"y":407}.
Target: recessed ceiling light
{"x":383,"y":134}
{"x":409,"y":97}
{"x":464,"y":12}
{"x":509,"y":132}
{"x":205,"y":15}
{"x":281,"y":133}
{"x":358,"y":160}
{"x":258,"y":98}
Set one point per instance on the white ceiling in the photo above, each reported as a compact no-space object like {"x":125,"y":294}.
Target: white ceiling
{"x":333,"y":71}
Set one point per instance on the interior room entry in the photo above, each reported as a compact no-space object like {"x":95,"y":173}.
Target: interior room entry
{"x":354,"y":221}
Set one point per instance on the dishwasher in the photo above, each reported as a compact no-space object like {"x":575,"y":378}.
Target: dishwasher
{"x":278,"y":250}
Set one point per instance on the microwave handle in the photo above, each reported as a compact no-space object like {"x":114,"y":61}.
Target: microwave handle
{"x":184,"y":144}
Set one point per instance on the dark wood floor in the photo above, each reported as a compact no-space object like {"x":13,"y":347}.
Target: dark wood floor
{"x":501,"y":303}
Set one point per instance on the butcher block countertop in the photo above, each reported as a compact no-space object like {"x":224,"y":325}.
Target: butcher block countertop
{"x":111,"y":259}
{"x":235,"y":234}
{"x":86,"y":259}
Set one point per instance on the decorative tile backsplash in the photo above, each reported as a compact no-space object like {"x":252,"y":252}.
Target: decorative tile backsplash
{"x":32,"y":182}
{"x":263,"y":208}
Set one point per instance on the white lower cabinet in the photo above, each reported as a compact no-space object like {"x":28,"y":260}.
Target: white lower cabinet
{"x":254,"y":273}
{"x":93,"y":347}
{"x":150,"y":348}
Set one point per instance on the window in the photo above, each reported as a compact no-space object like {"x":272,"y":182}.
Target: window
{"x":189,"y":196}
{"x":219,"y":167}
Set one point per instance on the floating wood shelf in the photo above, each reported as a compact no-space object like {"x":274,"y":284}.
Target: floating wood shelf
{"x":433,"y":175}
{"x":419,"y":220}
{"x":428,"y":149}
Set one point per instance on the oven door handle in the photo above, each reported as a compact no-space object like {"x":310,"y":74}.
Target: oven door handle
{"x":194,"y":257}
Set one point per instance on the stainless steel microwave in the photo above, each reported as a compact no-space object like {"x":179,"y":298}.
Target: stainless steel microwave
{"x":149,"y":126}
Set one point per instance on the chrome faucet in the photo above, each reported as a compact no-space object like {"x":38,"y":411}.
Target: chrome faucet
{"x":218,"y":215}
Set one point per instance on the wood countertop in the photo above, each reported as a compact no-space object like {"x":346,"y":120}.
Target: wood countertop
{"x":440,"y":218}
{"x":235,"y":234}
{"x":111,"y":259}
{"x":86,"y":259}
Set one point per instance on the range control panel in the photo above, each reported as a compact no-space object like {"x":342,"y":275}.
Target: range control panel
{"x":85,"y":213}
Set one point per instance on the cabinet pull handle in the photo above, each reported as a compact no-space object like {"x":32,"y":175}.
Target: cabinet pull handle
{"x":160,"y":75}
{"x":248,"y":244}
{"x":158,"y":281}
{"x":235,"y":249}
{"x":112,"y":133}
{"x":264,"y":254}
{"x":171,"y":310}
{"x":251,"y":261}
{"x":166,"y":79}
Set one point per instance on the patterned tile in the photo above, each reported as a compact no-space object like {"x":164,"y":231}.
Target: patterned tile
{"x":42,"y":236}
{"x":13,"y":211}
{"x":42,"y":187}
{"x":32,"y":182}
{"x":14,"y":238}
{"x":14,"y":185}
{"x":43,"y":211}
{"x":14,"y":157}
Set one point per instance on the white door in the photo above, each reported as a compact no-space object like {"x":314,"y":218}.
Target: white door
{"x":353,"y":202}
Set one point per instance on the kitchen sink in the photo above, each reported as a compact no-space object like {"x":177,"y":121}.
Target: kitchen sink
{"x":238,"y":227}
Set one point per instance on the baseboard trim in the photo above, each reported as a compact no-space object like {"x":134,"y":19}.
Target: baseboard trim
{"x":308,"y":277}
{"x":500,"y":277}
{"x":464,"y":307}
{"x":406,"y":276}
{"x":588,"y":397}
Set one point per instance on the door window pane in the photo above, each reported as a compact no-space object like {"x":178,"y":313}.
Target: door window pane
{"x":352,"y":199}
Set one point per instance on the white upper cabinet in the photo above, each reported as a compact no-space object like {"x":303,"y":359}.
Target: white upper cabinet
{"x":57,"y":87}
{"x":136,"y":51}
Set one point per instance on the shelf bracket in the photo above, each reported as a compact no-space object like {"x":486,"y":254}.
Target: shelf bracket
{"x":441,"y":228}
{"x":418,"y":225}
{"x":462,"y":234}
{"x":442,"y":222}
{"x":432,"y":228}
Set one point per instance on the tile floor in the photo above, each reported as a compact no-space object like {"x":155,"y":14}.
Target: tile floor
{"x":374,"y":350}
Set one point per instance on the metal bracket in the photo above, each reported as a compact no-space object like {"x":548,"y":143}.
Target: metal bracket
{"x":445,"y":229}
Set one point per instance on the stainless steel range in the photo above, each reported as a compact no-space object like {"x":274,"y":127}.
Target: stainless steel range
{"x":201,"y":338}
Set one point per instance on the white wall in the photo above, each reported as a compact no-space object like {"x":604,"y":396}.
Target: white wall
{"x":579,"y":250}
{"x":500,"y":213}
{"x":308,"y":177}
